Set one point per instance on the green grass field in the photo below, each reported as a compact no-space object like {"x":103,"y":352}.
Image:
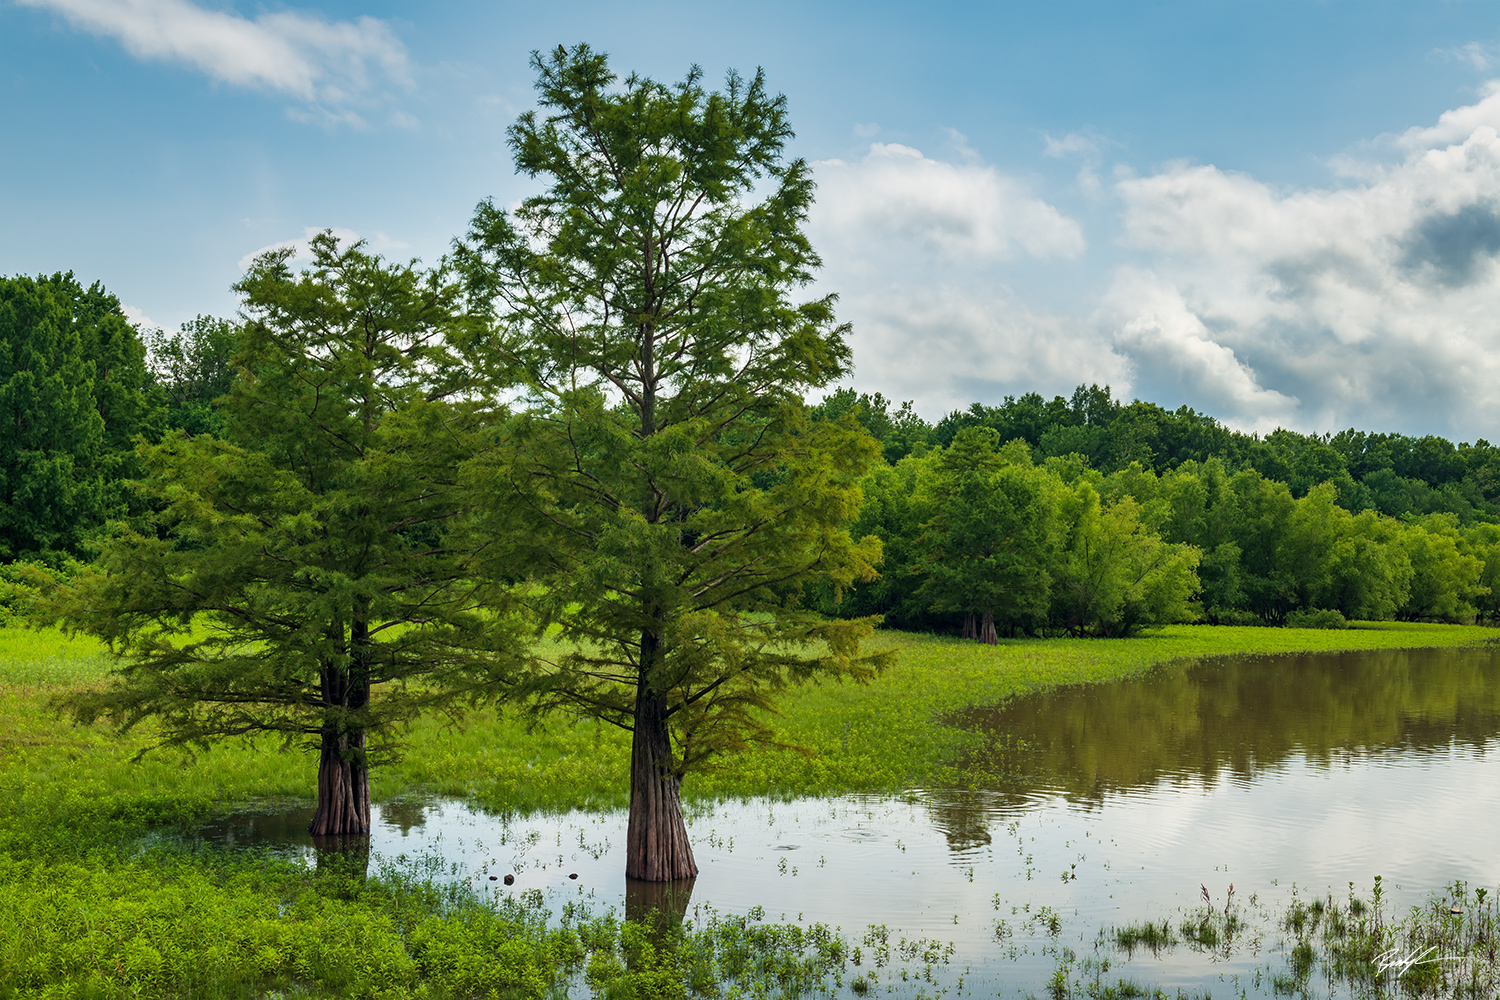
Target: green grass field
{"x":847,"y":737}
{"x":89,"y":916}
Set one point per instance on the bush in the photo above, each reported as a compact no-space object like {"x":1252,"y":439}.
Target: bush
{"x":1316,"y":618}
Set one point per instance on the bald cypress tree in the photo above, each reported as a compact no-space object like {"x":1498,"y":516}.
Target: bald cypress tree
{"x":296,"y":577}
{"x":679,"y":493}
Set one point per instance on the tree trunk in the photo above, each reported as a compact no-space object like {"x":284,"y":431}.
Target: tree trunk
{"x":343,"y":772}
{"x":343,"y":785}
{"x":656,"y":841}
{"x":987,"y":630}
{"x":969,"y":625}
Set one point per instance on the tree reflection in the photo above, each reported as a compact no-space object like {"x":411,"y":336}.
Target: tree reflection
{"x":1238,"y":715}
{"x":963,"y":818}
{"x":660,"y":906}
{"x":343,"y":857}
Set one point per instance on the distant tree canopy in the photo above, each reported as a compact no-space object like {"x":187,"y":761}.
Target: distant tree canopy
{"x":75,"y":393}
{"x":192,"y":371}
{"x":1158,"y":516}
{"x":1391,"y":474}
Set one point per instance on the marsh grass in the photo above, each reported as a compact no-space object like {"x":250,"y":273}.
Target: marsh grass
{"x":1145,"y":936}
{"x":216,"y":926}
{"x":1447,"y":947}
{"x":833,"y":738}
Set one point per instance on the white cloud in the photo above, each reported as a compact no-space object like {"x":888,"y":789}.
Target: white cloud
{"x":1477,"y":54}
{"x":1162,"y":334}
{"x":138,"y":318}
{"x":1456,"y":125}
{"x":1084,"y":145}
{"x":948,"y":345}
{"x":301,"y":246}
{"x":901,"y":198}
{"x":1375,"y":303}
{"x":1372,"y":301}
{"x":326,"y":63}
{"x":916,"y":246}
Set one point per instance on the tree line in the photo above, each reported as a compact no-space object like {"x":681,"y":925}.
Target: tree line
{"x":981,"y":538}
{"x":1391,"y":474}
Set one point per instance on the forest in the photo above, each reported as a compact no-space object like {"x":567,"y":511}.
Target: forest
{"x":1083,"y":516}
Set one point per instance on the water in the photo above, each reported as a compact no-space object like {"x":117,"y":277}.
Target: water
{"x":1093,"y":808}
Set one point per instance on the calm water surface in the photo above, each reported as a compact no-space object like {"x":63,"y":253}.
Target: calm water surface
{"x":1100,"y":806}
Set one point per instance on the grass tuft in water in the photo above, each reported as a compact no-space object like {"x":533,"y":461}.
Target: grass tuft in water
{"x":1146,"y":936}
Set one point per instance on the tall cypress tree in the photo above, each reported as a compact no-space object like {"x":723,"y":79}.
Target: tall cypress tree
{"x":643,"y":301}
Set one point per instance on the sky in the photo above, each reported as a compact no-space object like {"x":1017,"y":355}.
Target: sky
{"x":1277,"y":213}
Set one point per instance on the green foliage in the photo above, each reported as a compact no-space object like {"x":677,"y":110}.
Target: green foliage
{"x":1316,"y":618}
{"x":194,"y":369}
{"x":1391,"y":474}
{"x":293,"y":577}
{"x":73,"y":398}
{"x":977,"y":530}
{"x":989,"y":539}
{"x":1444,"y":578}
{"x":1114,"y":574}
{"x":901,"y":432}
{"x":673,"y":492}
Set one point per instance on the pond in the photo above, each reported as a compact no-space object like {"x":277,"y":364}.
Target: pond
{"x":1092,"y":808}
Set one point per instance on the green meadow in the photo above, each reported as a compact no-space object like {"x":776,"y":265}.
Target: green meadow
{"x":90,"y":913}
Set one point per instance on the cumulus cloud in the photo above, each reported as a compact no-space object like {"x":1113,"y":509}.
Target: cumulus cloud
{"x":964,"y":212}
{"x":1375,"y":303}
{"x":1456,"y":125}
{"x":948,"y":345}
{"x":916,"y":247}
{"x":1161,"y":335}
{"x":327,"y":64}
{"x":1370,"y":301}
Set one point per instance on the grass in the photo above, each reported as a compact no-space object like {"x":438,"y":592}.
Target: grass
{"x":883,"y":736}
{"x":1447,"y":947}
{"x":90,"y":917}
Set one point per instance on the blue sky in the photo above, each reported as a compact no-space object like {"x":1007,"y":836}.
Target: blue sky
{"x":1280,"y":213}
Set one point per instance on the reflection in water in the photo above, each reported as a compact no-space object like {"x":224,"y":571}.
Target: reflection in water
{"x":659,"y":905}
{"x":405,"y":815}
{"x":1238,"y":715}
{"x":284,"y":828}
{"x":275,"y":825}
{"x":1279,"y":775}
{"x":964,"y":819}
{"x":347,"y":856}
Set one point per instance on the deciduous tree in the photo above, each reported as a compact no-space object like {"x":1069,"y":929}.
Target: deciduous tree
{"x":644,"y":300}
{"x":295,"y":577}
{"x":73,"y":398}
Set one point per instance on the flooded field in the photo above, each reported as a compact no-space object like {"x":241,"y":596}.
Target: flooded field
{"x":1094,"y":808}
